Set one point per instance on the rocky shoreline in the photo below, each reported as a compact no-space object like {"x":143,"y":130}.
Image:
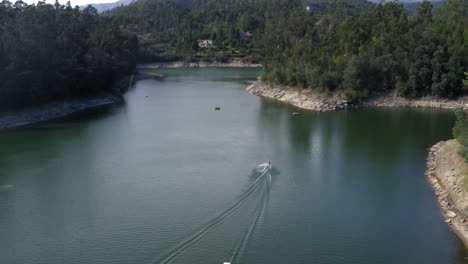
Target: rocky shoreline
{"x":305,"y":99}
{"x":315,"y":101}
{"x":201,"y":64}
{"x":60,"y":109}
{"x":51,"y":111}
{"x":447,"y":172}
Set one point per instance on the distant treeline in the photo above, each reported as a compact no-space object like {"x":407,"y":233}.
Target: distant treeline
{"x":353,"y":46}
{"x":53,"y":52}
{"x":411,"y":7}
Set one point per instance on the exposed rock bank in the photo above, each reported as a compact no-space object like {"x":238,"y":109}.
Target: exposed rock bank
{"x":315,"y":101}
{"x":306,"y":98}
{"x":60,"y":109}
{"x":393,"y":100}
{"x":448,"y":174}
{"x":201,"y":64}
{"x":50,"y":111}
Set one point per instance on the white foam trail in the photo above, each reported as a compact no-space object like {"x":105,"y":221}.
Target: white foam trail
{"x":264,"y":167}
{"x":249,"y":232}
{"x":196,"y":238}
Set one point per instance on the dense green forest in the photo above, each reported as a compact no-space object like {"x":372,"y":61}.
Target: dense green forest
{"x":355,"y":47}
{"x":375,"y":49}
{"x":53,"y":52}
{"x":168,"y":29}
{"x":350,"y":46}
{"x":412,"y":7}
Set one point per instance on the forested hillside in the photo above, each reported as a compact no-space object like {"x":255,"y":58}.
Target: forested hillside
{"x":377,"y":49}
{"x":51,"y":52}
{"x":353,"y":46}
{"x":168,"y":29}
{"x":356,"y":47}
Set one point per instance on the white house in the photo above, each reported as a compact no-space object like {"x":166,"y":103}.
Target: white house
{"x":205,"y":43}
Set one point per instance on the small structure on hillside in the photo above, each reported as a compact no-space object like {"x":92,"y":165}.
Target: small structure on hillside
{"x":205,"y":43}
{"x":245,"y":35}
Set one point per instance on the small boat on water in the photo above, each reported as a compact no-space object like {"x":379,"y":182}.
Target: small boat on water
{"x":264,"y":167}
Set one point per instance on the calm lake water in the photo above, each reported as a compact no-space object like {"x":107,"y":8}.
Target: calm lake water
{"x":165,"y":178}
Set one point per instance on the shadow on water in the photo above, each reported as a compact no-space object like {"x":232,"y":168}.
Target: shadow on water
{"x":44,"y":143}
{"x":93,"y":114}
{"x":86,"y":115}
{"x":394,"y":130}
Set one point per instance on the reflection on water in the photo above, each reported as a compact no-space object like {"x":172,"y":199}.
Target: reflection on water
{"x":164,"y":177}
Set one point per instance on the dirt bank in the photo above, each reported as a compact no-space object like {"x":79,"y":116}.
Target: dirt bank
{"x":312,"y":100}
{"x":448,"y":174}
{"x":181,"y":64}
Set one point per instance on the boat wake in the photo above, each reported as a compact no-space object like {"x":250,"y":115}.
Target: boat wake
{"x":263,"y":204}
{"x":251,"y":204}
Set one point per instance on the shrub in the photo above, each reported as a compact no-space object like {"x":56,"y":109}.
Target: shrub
{"x":402,"y":88}
{"x":330,"y":81}
{"x":353,"y":95}
{"x":460,"y":131}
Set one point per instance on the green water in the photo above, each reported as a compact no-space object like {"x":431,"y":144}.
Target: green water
{"x":165,"y":177}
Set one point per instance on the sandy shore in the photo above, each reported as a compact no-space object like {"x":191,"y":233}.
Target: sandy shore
{"x":448,"y":174}
{"x":181,"y":64}
{"x":312,"y":100}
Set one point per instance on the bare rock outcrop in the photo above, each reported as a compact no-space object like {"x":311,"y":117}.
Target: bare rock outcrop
{"x":447,"y":172}
{"x":305,"y":98}
{"x":316,"y":101}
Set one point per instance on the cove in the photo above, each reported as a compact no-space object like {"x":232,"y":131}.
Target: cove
{"x":131,"y":183}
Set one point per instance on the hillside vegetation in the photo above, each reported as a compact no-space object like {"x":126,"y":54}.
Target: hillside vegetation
{"x":353,"y":47}
{"x":360,"y":51}
{"x":54,"y":52}
{"x":350,"y":46}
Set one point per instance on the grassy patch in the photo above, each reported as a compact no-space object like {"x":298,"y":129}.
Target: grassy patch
{"x":452,"y":147}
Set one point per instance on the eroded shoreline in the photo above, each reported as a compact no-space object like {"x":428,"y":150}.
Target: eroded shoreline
{"x":315,"y":101}
{"x":52,"y":111}
{"x":447,"y":173}
{"x":63,"y":108}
